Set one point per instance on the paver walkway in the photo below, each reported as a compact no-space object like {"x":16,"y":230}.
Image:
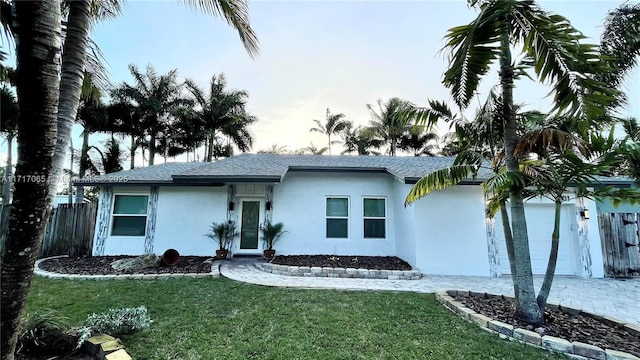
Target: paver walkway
{"x":619,"y":299}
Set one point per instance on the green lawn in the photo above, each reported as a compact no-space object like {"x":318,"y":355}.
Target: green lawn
{"x":220,"y":318}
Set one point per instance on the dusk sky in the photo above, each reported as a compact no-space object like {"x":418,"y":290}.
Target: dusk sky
{"x":315,"y":55}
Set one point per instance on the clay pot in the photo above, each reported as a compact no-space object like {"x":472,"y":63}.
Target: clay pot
{"x":221,"y":254}
{"x":269,"y":254}
{"x":170,"y":257}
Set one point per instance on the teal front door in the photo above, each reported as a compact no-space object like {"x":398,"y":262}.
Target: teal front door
{"x":250,"y":225}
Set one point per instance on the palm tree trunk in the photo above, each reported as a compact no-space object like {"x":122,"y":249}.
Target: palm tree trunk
{"x":8,"y":172}
{"x":73,"y":65}
{"x":132,"y":153}
{"x":329,"y":135}
{"x":508,"y":239}
{"x":553,"y":259}
{"x":527,"y":308}
{"x":37,"y":82}
{"x":82,"y":169}
{"x":152,"y":149}
{"x":210,"y":148}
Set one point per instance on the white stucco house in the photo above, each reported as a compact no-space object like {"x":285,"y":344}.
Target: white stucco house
{"x":343,"y":205}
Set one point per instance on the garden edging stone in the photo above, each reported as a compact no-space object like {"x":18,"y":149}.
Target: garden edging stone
{"x":575,"y":350}
{"x":353,"y":273}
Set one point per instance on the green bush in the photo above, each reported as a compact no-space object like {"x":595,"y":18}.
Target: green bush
{"x":46,"y":332}
{"x":116,"y":322}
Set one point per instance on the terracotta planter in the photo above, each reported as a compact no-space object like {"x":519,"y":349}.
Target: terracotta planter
{"x":170,"y":257}
{"x":221,"y":254}
{"x":269,"y":254}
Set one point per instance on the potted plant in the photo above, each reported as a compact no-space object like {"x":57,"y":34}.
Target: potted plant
{"x":223,"y":233}
{"x":271,"y":233}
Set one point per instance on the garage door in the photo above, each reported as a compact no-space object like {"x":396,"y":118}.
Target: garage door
{"x":540,"y":226}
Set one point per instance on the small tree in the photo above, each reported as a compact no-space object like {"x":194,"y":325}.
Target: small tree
{"x":223,"y":233}
{"x":271,"y":233}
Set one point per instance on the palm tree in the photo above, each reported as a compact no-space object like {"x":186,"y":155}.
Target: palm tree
{"x":333,"y":124}
{"x":274,"y":149}
{"x":222,"y":112}
{"x":110,"y":160}
{"x":550,"y":43}
{"x":631,"y":147}
{"x":390,"y":121}
{"x":37,"y":29}
{"x":74,"y":61}
{"x":361,"y":140}
{"x":314,"y":150}
{"x":620,"y":41}
{"x":419,"y":142}
{"x":235,"y":12}
{"x":93,"y":118}
{"x":9,"y":128}
{"x":157,"y":97}
{"x":126,"y":119}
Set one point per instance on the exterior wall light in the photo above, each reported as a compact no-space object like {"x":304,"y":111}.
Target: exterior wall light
{"x":267,"y":206}
{"x":584,"y":213}
{"x":231,"y":206}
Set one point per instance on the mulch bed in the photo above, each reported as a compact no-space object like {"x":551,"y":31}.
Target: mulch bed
{"x":343,"y":261}
{"x":582,"y":328}
{"x":101,"y":265}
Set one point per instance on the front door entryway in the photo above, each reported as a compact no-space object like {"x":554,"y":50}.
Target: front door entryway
{"x":250,"y":217}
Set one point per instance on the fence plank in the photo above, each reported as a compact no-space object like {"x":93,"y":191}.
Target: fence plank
{"x":620,"y":236}
{"x":69,"y":230}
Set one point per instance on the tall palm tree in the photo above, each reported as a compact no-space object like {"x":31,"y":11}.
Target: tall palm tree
{"x":9,"y":128}
{"x":74,"y":61}
{"x":222,"y":112}
{"x":620,"y":41}
{"x":93,"y":118}
{"x":156,"y":97}
{"x":361,"y":141}
{"x":553,"y":46}
{"x":235,"y":12}
{"x":37,"y":29}
{"x":125,"y":119}
{"x":333,"y":124}
{"x":390,"y":121}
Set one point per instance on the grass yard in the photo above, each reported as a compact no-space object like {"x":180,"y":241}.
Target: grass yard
{"x":220,"y":318}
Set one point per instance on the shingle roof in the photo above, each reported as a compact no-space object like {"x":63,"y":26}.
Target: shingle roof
{"x":156,"y":174}
{"x":274,"y":167}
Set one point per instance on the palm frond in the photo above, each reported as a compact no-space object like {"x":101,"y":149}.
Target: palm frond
{"x":439,"y":180}
{"x":473,"y":47}
{"x":236,"y":13}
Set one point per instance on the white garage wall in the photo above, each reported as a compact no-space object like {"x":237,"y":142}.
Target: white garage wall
{"x":299,"y":202}
{"x":450,"y":232}
{"x":405,"y":235}
{"x":540,"y":217}
{"x":184,"y":216}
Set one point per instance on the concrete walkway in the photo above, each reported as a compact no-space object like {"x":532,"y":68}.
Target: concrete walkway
{"x":619,"y":299}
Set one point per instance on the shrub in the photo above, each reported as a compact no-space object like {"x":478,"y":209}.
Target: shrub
{"x":46,"y":332}
{"x":116,"y":322}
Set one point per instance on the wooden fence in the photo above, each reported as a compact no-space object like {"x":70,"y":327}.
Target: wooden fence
{"x":620,"y":237}
{"x":69,"y":231}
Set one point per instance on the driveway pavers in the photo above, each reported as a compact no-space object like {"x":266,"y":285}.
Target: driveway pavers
{"x":617,"y":298}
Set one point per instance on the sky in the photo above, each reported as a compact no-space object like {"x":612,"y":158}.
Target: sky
{"x":316,"y":55}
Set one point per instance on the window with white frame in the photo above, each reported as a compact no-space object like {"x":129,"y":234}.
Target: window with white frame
{"x":337,"y":213}
{"x":375,"y":218}
{"x":129,"y":217}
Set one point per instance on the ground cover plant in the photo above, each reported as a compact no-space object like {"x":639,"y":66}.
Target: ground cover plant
{"x":220,"y":318}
